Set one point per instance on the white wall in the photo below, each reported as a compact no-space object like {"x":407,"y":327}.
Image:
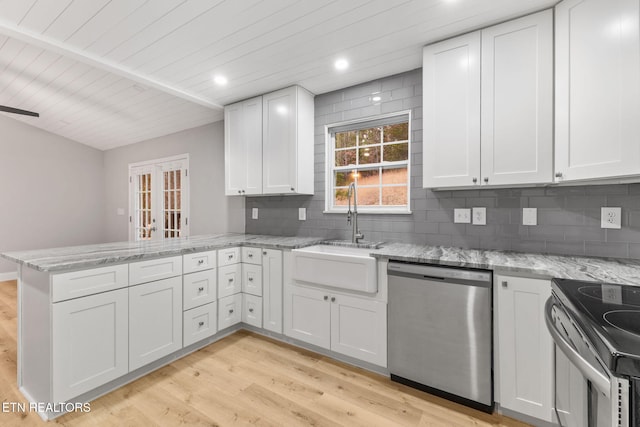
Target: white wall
{"x":211,"y":210}
{"x":51,"y":190}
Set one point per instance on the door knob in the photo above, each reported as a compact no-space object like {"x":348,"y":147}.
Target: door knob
{"x":505,"y":284}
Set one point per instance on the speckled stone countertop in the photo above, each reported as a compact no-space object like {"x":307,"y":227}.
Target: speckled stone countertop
{"x":76,"y":257}
{"x":624,"y":271}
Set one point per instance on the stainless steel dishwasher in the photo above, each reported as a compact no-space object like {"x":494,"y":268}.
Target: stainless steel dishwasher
{"x":440,"y":331}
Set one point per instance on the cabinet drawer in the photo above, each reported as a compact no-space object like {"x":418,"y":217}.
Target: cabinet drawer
{"x":198,"y":262}
{"x":252,"y":279}
{"x":199,"y":323}
{"x":252,"y":256}
{"x":228,"y":256}
{"x":199,"y":288}
{"x":229,"y":311}
{"x":252,"y":310}
{"x":87,"y":282}
{"x":154,"y":269}
{"x":229,"y":280}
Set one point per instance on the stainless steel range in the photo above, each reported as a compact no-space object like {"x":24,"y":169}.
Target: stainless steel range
{"x":596,"y":330}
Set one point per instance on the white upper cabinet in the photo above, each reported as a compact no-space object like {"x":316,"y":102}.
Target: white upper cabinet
{"x":597,"y":89}
{"x":499,"y":80}
{"x":517,"y":101}
{"x":451,"y":108}
{"x":243,"y":147}
{"x":287,"y":142}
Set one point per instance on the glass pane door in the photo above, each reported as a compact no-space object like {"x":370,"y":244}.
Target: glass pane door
{"x":172,"y":203}
{"x":143,"y":211}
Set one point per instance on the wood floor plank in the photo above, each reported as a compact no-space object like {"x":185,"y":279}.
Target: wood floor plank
{"x":245,"y":380}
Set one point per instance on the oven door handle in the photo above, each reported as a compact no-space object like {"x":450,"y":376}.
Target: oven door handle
{"x":597,"y":378}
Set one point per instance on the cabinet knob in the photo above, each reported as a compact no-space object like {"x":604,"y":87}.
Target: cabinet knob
{"x":239,"y":191}
{"x":250,"y":255}
{"x":243,"y":191}
{"x":230,"y":256}
{"x":486,"y":179}
{"x":558,"y":174}
{"x":200,"y":323}
{"x":200,"y":289}
{"x":333,"y":299}
{"x":326,"y":298}
{"x":293,"y":189}
{"x":231,"y":311}
{"x":251,"y":310}
{"x":475,"y":180}
{"x":200,"y":261}
{"x":251,"y":279}
{"x":264,"y":252}
{"x":230,"y":279}
{"x":505,"y":284}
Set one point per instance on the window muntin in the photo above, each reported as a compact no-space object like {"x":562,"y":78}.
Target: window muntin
{"x":374,"y":155}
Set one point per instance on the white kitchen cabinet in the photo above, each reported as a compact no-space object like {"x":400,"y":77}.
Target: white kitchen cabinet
{"x":243,"y":147}
{"x":155,"y":321}
{"x":198,"y":261}
{"x":154,"y":269}
{"x":517,"y":101}
{"x":307,"y":315}
{"x":199,"y":288}
{"x":252,"y":310}
{"x":229,"y":280}
{"x":252,"y":279}
{"x":597,"y":89}
{"x":525,"y":346}
{"x":229,"y":311}
{"x":287,"y":142}
{"x":90,"y":342}
{"x":80,"y":283}
{"x":272,"y":286}
{"x":228,"y":256}
{"x":359,"y":328}
{"x":199,"y":323}
{"x":499,"y":80}
{"x":251,"y":255}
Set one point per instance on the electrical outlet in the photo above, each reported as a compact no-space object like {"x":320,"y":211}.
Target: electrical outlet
{"x":120,"y":211}
{"x":529,"y":216}
{"x":302,"y":214}
{"x":479,"y":216}
{"x":610,"y":218}
{"x":462,"y":216}
{"x":254,"y":213}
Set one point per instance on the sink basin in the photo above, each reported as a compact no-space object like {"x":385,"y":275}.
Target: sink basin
{"x":340,"y":267}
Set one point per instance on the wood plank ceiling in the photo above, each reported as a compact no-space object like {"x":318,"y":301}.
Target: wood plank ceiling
{"x":108,"y":73}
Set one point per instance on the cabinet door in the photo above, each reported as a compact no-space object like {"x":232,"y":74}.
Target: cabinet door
{"x":155,"y":321}
{"x":252,"y":279}
{"x":199,"y":323}
{"x":451,"y":104}
{"x":307,"y":315}
{"x":199,"y":288}
{"x":597,"y":89}
{"x":525,"y":346}
{"x":154,"y":269}
{"x":517,"y":101}
{"x":252,"y":310}
{"x":229,"y":280}
{"x":243,"y":147}
{"x":198,"y":261}
{"x":272,"y":281}
{"x":229,"y":311}
{"x":90,"y":343}
{"x":279,"y":141}
{"x":359,"y":328}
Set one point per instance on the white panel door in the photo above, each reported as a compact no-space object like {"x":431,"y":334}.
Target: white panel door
{"x":307,"y":315}
{"x":229,"y":311}
{"x":90,"y":343}
{"x":155,"y":321}
{"x":597,"y":89}
{"x":229,"y":280}
{"x":517,"y":101}
{"x":451,"y":109}
{"x":279,"y":141}
{"x":252,"y":310}
{"x":252,"y":279}
{"x":359,"y":328}
{"x":525,"y":346}
{"x":272,"y":283}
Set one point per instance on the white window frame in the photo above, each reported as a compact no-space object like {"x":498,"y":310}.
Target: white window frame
{"x":156,"y":166}
{"x":330,"y":168}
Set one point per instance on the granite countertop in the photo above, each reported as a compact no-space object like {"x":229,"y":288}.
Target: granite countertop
{"x":624,"y":271}
{"x":76,"y":257}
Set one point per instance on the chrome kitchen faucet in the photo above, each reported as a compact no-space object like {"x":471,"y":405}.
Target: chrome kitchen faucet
{"x":355,"y":234}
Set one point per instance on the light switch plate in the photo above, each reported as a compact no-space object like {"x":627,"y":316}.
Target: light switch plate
{"x":529,"y":216}
{"x":254,"y":213}
{"x":610,"y":217}
{"x":462,"y":216}
{"x":302,"y":214}
{"x":479,"y":216}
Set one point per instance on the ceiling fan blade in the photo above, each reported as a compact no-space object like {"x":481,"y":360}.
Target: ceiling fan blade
{"x":18,"y":111}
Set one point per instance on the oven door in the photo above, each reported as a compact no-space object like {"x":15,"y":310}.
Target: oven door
{"x":586,"y":393}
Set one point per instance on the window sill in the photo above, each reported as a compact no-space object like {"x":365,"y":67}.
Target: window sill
{"x":367,"y":212}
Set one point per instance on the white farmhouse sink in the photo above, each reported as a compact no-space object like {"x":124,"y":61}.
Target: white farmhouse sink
{"x":340,"y":267}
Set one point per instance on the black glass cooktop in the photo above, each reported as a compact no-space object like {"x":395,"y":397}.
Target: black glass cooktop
{"x":609,"y":315}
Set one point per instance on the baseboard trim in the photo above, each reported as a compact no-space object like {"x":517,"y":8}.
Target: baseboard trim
{"x":5,"y":277}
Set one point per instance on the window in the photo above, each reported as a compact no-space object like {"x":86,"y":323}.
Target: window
{"x":158,"y":199}
{"x":375,"y":155}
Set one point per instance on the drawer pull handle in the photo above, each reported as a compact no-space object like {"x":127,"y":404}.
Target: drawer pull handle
{"x":326,"y":298}
{"x":200,"y":323}
{"x":333,"y":299}
{"x":251,"y":279}
{"x":250,"y":255}
{"x":230,"y":256}
{"x":200,"y":261}
{"x":200,"y":289}
{"x":231,"y":311}
{"x":505,"y":284}
{"x":264,"y":253}
{"x":251,"y":310}
{"x":231,"y":280}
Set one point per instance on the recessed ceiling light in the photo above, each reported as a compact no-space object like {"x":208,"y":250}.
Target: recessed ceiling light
{"x":341,"y":64}
{"x":220,"y":80}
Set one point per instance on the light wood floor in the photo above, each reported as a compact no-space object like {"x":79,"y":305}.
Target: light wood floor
{"x":246,"y":379}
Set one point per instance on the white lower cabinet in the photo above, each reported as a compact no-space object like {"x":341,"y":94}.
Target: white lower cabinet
{"x":525,"y":346}
{"x":272,"y":284}
{"x":252,"y":279}
{"x":252,"y":310}
{"x":90,"y":343}
{"x":199,"y":289}
{"x":350,"y":325}
{"x":155,"y":321}
{"x":229,"y":280}
{"x":229,"y":311}
{"x":199,"y":323}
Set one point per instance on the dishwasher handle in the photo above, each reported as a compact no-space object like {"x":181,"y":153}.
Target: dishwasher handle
{"x":425,"y":271}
